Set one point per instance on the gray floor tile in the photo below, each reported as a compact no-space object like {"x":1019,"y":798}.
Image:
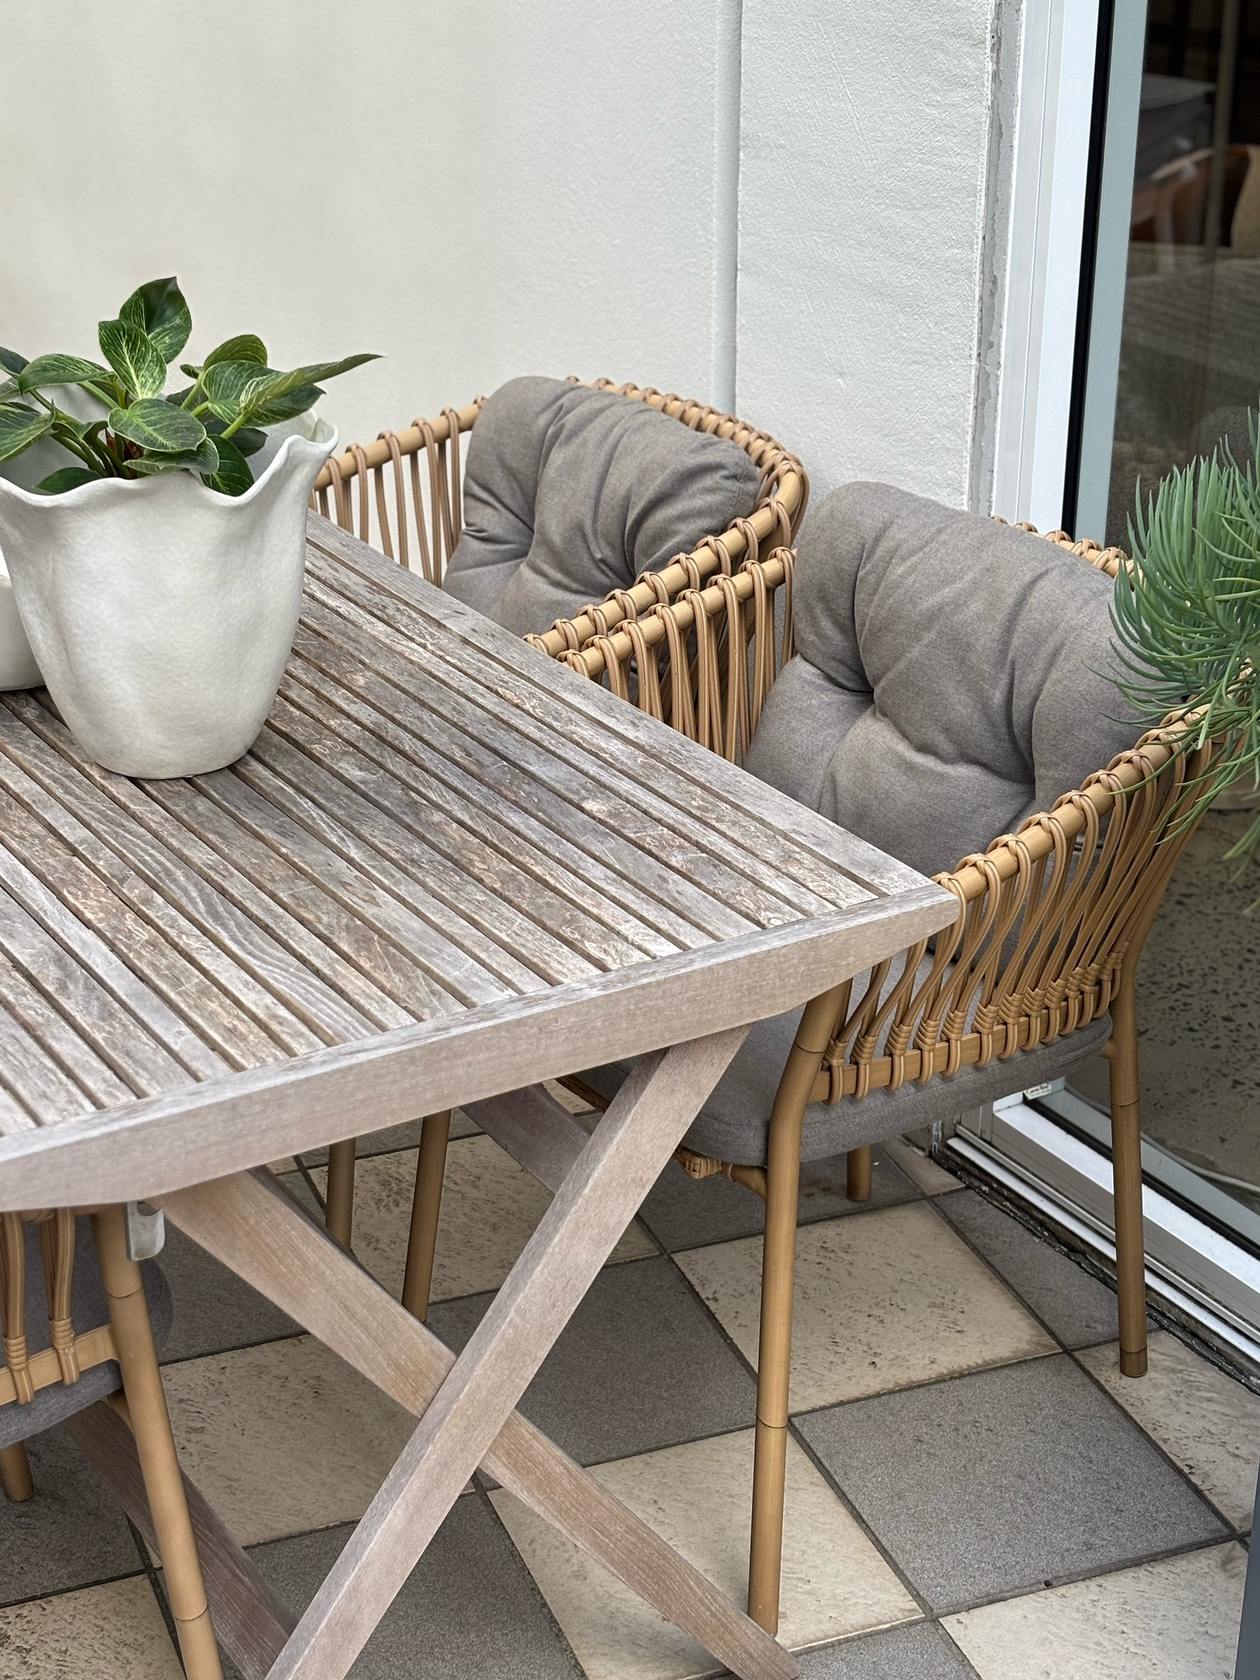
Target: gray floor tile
{"x":641,"y":1365}
{"x":1078,"y":1308}
{"x":684,"y":1212}
{"x":918,"y":1652}
{"x":214,"y":1309}
{"x":406,"y":1136}
{"x":72,"y":1532}
{"x":1006,"y":1480}
{"x":469,"y":1609}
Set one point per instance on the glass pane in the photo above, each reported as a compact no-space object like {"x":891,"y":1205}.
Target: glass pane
{"x":1190,"y":352}
{"x":1189,"y":370}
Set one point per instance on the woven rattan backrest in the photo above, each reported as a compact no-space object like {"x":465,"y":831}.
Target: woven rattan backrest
{"x":1051,"y":919}
{"x":414,"y":512}
{"x":71,"y":1349}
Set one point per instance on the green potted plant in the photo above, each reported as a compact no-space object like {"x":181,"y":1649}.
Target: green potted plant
{"x":158,"y":578}
{"x":1187,"y":619}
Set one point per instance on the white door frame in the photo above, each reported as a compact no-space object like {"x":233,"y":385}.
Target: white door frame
{"x":1045,"y":225}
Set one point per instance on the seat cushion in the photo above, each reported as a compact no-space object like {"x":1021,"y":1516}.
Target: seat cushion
{"x":734,"y":1123}
{"x":952,"y":676}
{"x":88,"y":1309}
{"x":570,"y":493}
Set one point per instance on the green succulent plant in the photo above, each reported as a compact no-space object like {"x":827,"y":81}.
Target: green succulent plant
{"x":211,"y":427}
{"x":1187,"y":619}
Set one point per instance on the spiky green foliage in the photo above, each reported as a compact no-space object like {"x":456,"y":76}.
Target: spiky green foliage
{"x":1187,"y":618}
{"x":210,"y":427}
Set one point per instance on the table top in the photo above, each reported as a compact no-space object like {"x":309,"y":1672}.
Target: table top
{"x":448,"y":867}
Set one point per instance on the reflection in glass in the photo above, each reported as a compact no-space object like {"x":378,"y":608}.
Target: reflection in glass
{"x":1190,"y":352}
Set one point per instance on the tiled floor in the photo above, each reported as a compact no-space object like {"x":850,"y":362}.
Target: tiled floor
{"x":973,"y":1490}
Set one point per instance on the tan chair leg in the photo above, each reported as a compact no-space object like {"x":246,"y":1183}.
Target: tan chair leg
{"x":435,"y":1131}
{"x":1126,"y":1167}
{"x":778,"y":1271}
{"x":15,"y":1473}
{"x":858,"y":1174}
{"x":339,"y":1191}
{"x":155,"y":1446}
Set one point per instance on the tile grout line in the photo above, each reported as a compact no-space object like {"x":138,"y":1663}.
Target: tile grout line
{"x":828,"y":1479}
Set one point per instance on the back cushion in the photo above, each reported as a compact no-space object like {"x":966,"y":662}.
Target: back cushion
{"x":951,"y":676}
{"x":571,"y":492}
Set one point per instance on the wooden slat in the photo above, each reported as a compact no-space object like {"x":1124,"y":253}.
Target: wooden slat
{"x":31,"y":1075}
{"x":55,"y":1036}
{"x":516,"y":789}
{"x":485,"y":888}
{"x":364,"y":1000}
{"x":381,"y":745}
{"x":304,"y":898}
{"x":755,"y":815}
{"x":141,"y":1062}
{"x":439,"y":949}
{"x":731,"y":902}
{"x":513,"y":709}
{"x":306,"y":998}
{"x":167,"y":1142}
{"x":418,"y":829}
{"x":99,"y":960}
{"x":115,"y":869}
{"x":215,"y":1016}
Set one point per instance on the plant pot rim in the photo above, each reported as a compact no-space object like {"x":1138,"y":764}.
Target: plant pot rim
{"x":83,"y":495}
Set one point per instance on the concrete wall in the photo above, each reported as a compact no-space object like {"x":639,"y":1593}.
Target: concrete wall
{"x":862,"y":215}
{"x":506,"y":186}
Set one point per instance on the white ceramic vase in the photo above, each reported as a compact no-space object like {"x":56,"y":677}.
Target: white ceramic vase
{"x":161,"y":613}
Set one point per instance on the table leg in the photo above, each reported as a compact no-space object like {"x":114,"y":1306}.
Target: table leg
{"x":250,"y":1225}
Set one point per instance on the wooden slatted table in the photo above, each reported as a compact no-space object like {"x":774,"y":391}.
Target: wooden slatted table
{"x":448,"y":870}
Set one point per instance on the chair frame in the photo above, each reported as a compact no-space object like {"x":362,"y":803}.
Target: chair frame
{"x":128,"y":1340}
{"x":1051,"y":919}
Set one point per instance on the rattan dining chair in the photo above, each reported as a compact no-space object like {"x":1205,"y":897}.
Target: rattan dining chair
{"x":404,"y":494}
{"x":78,"y":1334}
{"x":1034,"y":976}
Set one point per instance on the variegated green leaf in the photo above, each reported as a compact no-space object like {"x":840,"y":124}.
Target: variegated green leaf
{"x":134,"y":357}
{"x":61,"y":370}
{"x":154,"y":424}
{"x":19,"y":428}
{"x":158,"y":309}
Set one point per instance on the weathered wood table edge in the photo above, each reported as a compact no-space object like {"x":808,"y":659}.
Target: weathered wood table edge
{"x":191,"y":1149}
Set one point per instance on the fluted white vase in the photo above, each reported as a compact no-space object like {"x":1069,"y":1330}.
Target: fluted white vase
{"x":161,"y":613}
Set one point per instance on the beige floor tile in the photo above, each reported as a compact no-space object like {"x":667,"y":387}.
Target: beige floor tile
{"x":1175,"y":1620}
{"x":96,"y":1634}
{"x":490,"y":1207}
{"x":1205,"y":1422}
{"x":919,"y":1168}
{"x":284,"y":1437}
{"x":882,"y":1300}
{"x":699,"y":1498}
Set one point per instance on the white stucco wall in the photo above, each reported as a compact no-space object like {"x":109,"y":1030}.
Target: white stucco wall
{"x":865,"y":135}
{"x":510,"y":186}
{"x":475,"y":191}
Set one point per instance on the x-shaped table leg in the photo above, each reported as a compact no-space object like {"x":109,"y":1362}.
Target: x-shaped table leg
{"x":467,"y":1404}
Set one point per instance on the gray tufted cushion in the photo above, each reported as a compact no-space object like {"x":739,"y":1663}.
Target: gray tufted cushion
{"x":571,"y":492}
{"x":950,"y":676}
{"x":88,"y":1309}
{"x":946,"y":686}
